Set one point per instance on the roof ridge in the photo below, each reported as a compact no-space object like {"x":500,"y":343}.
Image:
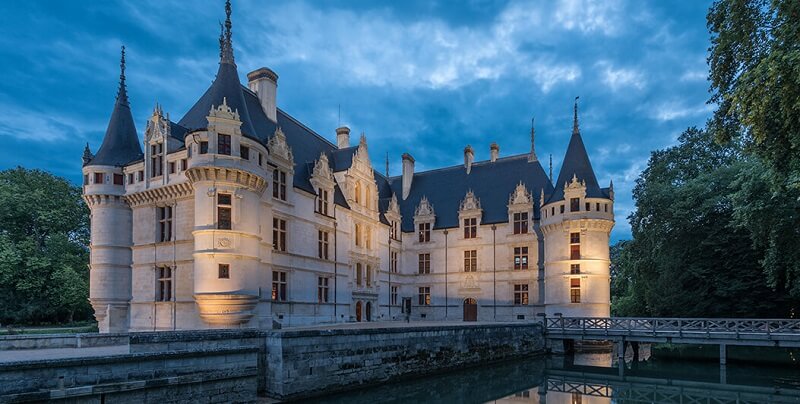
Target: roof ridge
{"x":302,"y":125}
{"x":481,"y":163}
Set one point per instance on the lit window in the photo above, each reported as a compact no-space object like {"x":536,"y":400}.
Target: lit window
{"x":425,"y":296}
{"x":164,"y":223}
{"x":521,"y":223}
{"x":322,"y":289}
{"x":224,"y":211}
{"x":424,"y":232}
{"x":279,"y":234}
{"x":520,"y":257}
{"x":425,"y":263}
{"x":223,"y":271}
{"x":471,"y":261}
{"x":224,"y":144}
{"x":279,"y":184}
{"x":521,"y":294}
{"x":575,"y":269}
{"x":164,"y":284}
{"x":470,"y":227}
{"x":574,"y":238}
{"x":575,"y":246}
{"x":278,"y":286}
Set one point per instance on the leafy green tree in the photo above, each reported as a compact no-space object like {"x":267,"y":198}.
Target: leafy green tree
{"x":44,"y":234}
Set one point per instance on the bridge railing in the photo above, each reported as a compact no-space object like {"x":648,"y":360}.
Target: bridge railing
{"x":656,"y":325}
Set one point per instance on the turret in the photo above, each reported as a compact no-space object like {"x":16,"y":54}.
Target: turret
{"x":111,"y":220}
{"x":576,"y":220}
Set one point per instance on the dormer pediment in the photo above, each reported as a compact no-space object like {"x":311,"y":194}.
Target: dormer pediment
{"x":575,"y":188}
{"x":393,"y":210}
{"x":424,"y":211}
{"x":322,"y":174}
{"x":520,"y":199}
{"x":158,"y":128}
{"x":279,"y":150}
{"x":470,"y":205}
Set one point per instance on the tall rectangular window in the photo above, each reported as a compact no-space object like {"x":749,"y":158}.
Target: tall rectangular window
{"x":575,"y":290}
{"x":597,"y":207}
{"x":575,"y":269}
{"x":471,"y":261}
{"x":156,"y":159}
{"x":322,"y":289}
{"x":223,"y":271}
{"x":521,"y":223}
{"x":588,"y":206}
{"x":470,"y":227}
{"x":86,"y":179}
{"x":98,"y":178}
{"x":171,"y":166}
{"x":322,"y":244}
{"x":279,"y":184}
{"x":279,"y":234}
{"x":141,"y":175}
{"x":575,"y":246}
{"x":224,"y":211}
{"x":394,"y":230}
{"x":359,"y":274}
{"x":130,"y":178}
{"x":322,"y":201}
{"x":425,"y":263}
{"x":203,"y":147}
{"x":118,"y":179}
{"x":369,"y":275}
{"x":394,"y":296}
{"x":164,"y":223}
{"x":521,"y":294}
{"x":278,"y":286}
{"x":260,"y":159}
{"x":561,"y":208}
{"x":244,"y":152}
{"x":425,"y":296}
{"x":574,"y":204}
{"x":520,"y":257}
{"x":575,"y":238}
{"x":224,"y":144}
{"x":393,"y":261}
{"x":184,"y":164}
{"x":424,"y":232}
{"x":164,"y":284}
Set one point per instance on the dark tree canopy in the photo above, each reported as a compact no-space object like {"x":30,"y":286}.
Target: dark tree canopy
{"x":44,"y":234}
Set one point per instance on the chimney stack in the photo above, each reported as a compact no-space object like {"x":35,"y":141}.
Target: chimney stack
{"x":408,"y":174}
{"x":469,"y":158}
{"x":264,"y":82}
{"x":494,"y":151}
{"x":343,"y":137}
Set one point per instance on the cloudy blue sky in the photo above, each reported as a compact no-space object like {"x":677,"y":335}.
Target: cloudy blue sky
{"x":425,"y":77}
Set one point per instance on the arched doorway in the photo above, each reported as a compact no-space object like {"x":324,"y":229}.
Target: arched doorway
{"x":369,"y":311}
{"x":358,"y":311}
{"x":470,"y":309}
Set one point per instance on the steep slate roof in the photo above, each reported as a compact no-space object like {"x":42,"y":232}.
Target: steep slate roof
{"x":492,"y":183}
{"x":576,"y":162}
{"x":120,"y":143}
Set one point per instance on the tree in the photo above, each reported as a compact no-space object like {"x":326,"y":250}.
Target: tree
{"x":754,"y":65}
{"x":43,"y":249}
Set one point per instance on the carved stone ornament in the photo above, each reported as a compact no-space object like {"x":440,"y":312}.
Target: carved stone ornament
{"x":575,"y":184}
{"x":279,"y":148}
{"x":224,"y":242}
{"x":470,"y":203}
{"x":394,"y":206}
{"x":158,"y":127}
{"x":211,"y":192}
{"x":322,"y":168}
{"x":224,"y":111}
{"x":424,"y":209}
{"x":520,"y":196}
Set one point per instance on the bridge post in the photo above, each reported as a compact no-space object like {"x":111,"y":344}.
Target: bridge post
{"x":723,"y":355}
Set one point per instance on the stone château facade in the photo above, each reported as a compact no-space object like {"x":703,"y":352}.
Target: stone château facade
{"x":238,"y":215}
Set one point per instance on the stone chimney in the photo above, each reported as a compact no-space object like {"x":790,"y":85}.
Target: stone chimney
{"x":469,"y":158}
{"x":494,"y":151}
{"x":408,"y":174}
{"x":343,"y":137}
{"x":264,"y":82}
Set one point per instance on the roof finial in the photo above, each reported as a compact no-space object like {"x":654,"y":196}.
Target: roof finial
{"x":225,"y":41}
{"x":532,"y":157}
{"x":122,"y":94}
{"x":551,"y":167}
{"x":387,"y":164}
{"x":575,"y":129}
{"x":87,"y":154}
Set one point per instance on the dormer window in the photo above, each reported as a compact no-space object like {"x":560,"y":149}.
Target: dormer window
{"x":574,"y":204}
{"x":470,"y":227}
{"x":156,"y":160}
{"x":322,"y":202}
{"x":244,"y":152}
{"x":394,"y":230}
{"x":424,"y":232}
{"x":224,"y":144}
{"x":279,"y":184}
{"x":521,"y":223}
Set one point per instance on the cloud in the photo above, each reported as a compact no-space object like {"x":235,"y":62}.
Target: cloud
{"x":43,"y":126}
{"x":617,"y":78}
{"x":676,"y":109}
{"x":589,"y":16}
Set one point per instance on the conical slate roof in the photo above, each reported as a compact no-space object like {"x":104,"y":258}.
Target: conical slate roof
{"x":121,"y":143}
{"x":576,"y":163}
{"x":226,"y":85}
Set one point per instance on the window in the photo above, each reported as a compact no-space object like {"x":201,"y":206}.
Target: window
{"x":369,"y":276}
{"x":203,"y":147}
{"x":118,"y":179}
{"x":521,"y":294}
{"x":358,"y":235}
{"x":279,"y":184}
{"x":424,"y":232}
{"x":244,"y":152}
{"x":470,"y":227}
{"x":367,"y":238}
{"x":597,"y":207}
{"x":425,"y":263}
{"x":575,"y":246}
{"x":183,"y":164}
{"x":471,"y":261}
{"x":224,"y":271}
{"x":357,"y":192}
{"x":393,"y":261}
{"x":278,"y":286}
{"x":394,"y":230}
{"x":394,"y":296}
{"x":574,"y":204}
{"x":575,"y":290}
{"x":224,"y":144}
{"x":141,"y":175}
{"x":358,"y":274}
{"x":520,"y":257}
{"x":574,"y":238}
{"x":561,"y":209}
{"x":322,"y":289}
{"x":156,"y":160}
{"x":260,"y":160}
{"x":322,"y":244}
{"x":164,"y":223}
{"x":130,"y":178}
{"x":86,"y":179}
{"x":279,"y":234}
{"x":425,"y":296}
{"x":552,"y":211}
{"x":171,"y":166}
{"x":224,"y":211}
{"x":575,"y":269}
{"x":164,"y":284}
{"x":588,"y":206}
{"x":98,"y":178}
{"x":521,"y":223}
{"x":606,"y":208}
{"x":322,"y":201}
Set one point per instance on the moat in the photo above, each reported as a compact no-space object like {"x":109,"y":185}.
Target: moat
{"x":591,"y":378}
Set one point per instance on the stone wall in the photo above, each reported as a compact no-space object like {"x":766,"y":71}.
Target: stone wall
{"x":49,"y":341}
{"x":311,"y":362}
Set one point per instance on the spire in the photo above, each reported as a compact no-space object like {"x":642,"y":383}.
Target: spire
{"x":122,"y":93}
{"x":120,"y":143}
{"x":87,"y":154}
{"x":532,"y":157}
{"x":387,"y":164}
{"x":225,"y":40}
{"x":575,"y":128}
{"x":551,"y":168}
